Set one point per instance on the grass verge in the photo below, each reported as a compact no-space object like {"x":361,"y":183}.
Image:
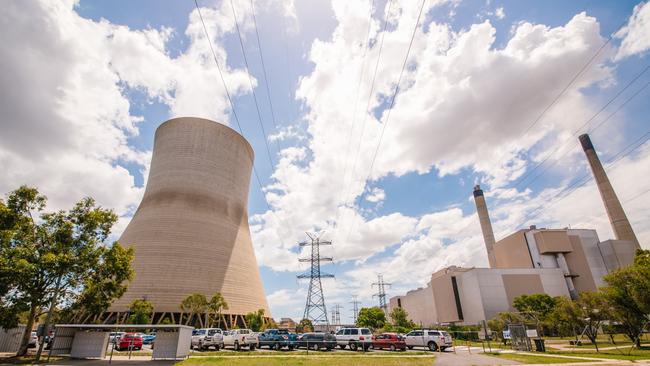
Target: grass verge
{"x":311,"y":353}
{"x":533,"y":359}
{"x":622,"y":354}
{"x":310,"y":361}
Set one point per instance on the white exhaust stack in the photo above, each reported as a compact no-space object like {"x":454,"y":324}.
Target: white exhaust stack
{"x":617,"y":218}
{"x":486,"y":225}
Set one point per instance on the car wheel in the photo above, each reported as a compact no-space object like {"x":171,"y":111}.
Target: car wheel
{"x":432,"y":346}
{"x":392,"y":347}
{"x":409,"y":347}
{"x":442,"y":349}
{"x":277,"y":347}
{"x":216,"y":347}
{"x":316,"y":347}
{"x":251,"y":347}
{"x":342,"y":346}
{"x":353,"y":346}
{"x":236,"y":346}
{"x":291,"y":348}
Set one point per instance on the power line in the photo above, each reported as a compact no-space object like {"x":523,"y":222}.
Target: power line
{"x":234,"y":112}
{"x":390,"y":107}
{"x":584,"y":179}
{"x":365,"y":115}
{"x":609,"y":102}
{"x":266,"y":79}
{"x":250,"y":80}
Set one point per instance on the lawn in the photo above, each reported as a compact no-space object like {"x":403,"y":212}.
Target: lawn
{"x":343,"y":360}
{"x":305,"y":353}
{"x":534,"y":359}
{"x":636,"y":354}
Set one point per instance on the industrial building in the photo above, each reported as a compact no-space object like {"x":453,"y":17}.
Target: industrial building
{"x":557,"y":262}
{"x":190,"y":232}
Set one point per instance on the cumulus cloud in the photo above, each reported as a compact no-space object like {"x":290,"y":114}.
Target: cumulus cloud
{"x":636,"y":34}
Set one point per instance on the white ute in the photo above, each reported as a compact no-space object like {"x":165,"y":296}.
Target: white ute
{"x":432,"y":339}
{"x":354,"y":338}
{"x":238,"y":338}
{"x":205,"y":338}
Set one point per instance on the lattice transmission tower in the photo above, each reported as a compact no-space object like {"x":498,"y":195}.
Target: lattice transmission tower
{"x":315,"y":308}
{"x":355,"y":308}
{"x":336,"y":314}
{"x":381,"y":291}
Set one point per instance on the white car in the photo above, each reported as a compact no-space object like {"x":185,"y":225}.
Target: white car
{"x":114,"y":336}
{"x":238,"y":338}
{"x":204,"y":338}
{"x":432,"y":339}
{"x":33,"y":341}
{"x":354,"y":338}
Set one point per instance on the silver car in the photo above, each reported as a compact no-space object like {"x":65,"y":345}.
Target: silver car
{"x":434,"y":340}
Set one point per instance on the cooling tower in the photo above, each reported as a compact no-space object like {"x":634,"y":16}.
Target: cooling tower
{"x":486,"y":225}
{"x":190,"y":232}
{"x":617,"y":218}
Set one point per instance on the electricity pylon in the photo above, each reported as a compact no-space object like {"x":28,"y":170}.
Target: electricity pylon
{"x":381,"y":291}
{"x":315,"y":308}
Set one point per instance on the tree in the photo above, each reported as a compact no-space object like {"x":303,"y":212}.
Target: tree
{"x":400,"y":320}
{"x":255,"y":320}
{"x":215,"y":306}
{"x":371,"y":317}
{"x":195,"y":304}
{"x":140,"y":312}
{"x":305,"y":326}
{"x":535,"y":307}
{"x":628,"y":293}
{"x":49,"y":258}
{"x":586,"y":314}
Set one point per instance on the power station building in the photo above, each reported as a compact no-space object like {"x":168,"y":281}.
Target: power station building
{"x":557,"y":262}
{"x":190,"y":232}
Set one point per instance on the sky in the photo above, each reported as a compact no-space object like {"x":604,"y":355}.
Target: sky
{"x":379,"y":117}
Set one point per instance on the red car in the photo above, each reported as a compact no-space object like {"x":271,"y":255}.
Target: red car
{"x":129,"y":341}
{"x":390,"y":341}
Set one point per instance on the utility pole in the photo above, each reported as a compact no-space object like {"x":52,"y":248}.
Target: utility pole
{"x":381,"y":291}
{"x":315,"y":307}
{"x":355,"y":308}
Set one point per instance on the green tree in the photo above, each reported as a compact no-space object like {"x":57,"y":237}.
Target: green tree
{"x":371,"y":317}
{"x":48,"y":258}
{"x":255,"y":320}
{"x":305,"y":326}
{"x":400,"y":320}
{"x":536,"y":307}
{"x":586,"y":314}
{"x":215,"y":306}
{"x":628,"y":293}
{"x":195,"y":304}
{"x":140,"y":312}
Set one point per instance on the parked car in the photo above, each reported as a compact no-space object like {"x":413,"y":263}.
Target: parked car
{"x":148,"y":338}
{"x":205,"y":338}
{"x":33,"y":340}
{"x":131,"y":341}
{"x":238,"y":338}
{"x":316,"y":341}
{"x":391,"y":341}
{"x":354,"y":338}
{"x":114,"y":336}
{"x":277,"y":339}
{"x":432,"y":339}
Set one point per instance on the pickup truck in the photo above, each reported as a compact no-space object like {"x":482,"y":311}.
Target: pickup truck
{"x":432,"y":339}
{"x":277,"y":339}
{"x":238,"y":338}
{"x":207,"y":337}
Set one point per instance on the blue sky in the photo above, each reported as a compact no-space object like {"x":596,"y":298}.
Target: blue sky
{"x":479,"y":73}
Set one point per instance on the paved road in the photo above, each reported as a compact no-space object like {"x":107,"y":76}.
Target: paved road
{"x":463,"y":358}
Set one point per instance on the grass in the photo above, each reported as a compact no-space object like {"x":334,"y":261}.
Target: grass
{"x":635,"y":354}
{"x":376,"y":353}
{"x":533,"y":359}
{"x":343,"y":360}
{"x":28,"y":360}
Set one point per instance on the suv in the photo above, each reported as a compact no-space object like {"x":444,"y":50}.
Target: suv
{"x":354,"y":337}
{"x":277,"y":339}
{"x":238,"y":338}
{"x":432,"y":339}
{"x":205,"y":337}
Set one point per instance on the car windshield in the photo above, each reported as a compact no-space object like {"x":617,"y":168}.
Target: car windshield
{"x":445,"y":334}
{"x":198,"y":332}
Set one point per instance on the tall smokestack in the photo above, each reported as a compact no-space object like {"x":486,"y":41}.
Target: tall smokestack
{"x":617,"y":218}
{"x":486,"y":225}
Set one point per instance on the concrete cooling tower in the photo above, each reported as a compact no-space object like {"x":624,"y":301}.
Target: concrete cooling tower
{"x":190,"y":232}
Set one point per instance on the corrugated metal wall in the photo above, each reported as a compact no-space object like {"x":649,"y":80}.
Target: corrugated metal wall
{"x":10,"y":339}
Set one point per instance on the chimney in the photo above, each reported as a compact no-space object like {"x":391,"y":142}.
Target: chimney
{"x":486,"y":225}
{"x":617,"y":218}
